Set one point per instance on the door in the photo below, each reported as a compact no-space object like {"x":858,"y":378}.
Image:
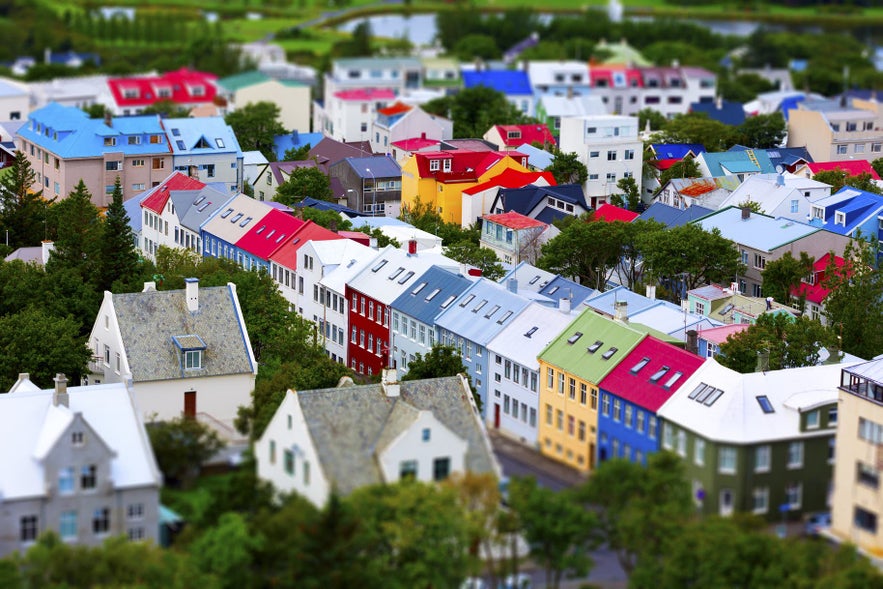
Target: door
{"x":726,"y":502}
{"x":190,"y":404}
{"x":496,"y":416}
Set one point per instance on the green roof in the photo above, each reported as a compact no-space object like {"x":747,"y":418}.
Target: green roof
{"x":243,"y":80}
{"x":592,"y":345}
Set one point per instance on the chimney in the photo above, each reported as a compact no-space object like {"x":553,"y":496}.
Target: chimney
{"x":512,"y":285}
{"x":60,"y":396}
{"x":746,"y":212}
{"x":372,"y":243}
{"x":621,"y":311}
{"x":564,"y":305}
{"x":718,"y":102}
{"x":780,"y":180}
{"x":412,"y":247}
{"x":423,"y":135}
{"x":693,"y":341}
{"x":474,"y":272}
{"x":651,"y":292}
{"x":191,"y":294}
{"x":108,"y":119}
{"x":763,"y":360}
{"x":149,"y":286}
{"x":48,"y":248}
{"x":389,"y":380}
{"x":734,"y":287}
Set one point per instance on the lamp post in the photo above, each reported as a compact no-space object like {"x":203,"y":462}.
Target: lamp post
{"x":373,"y":192}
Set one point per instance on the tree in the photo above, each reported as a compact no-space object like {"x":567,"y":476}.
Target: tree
{"x":475,"y":110}
{"x":838,"y":178}
{"x":630,"y":198}
{"x":297,"y":154}
{"x":656,"y":119}
{"x":685,"y":168}
{"x":181,"y":445}
{"x":781,"y":277}
{"x":877,"y":164}
{"x":22,"y":211}
{"x":763,"y":131}
{"x":166,"y":109}
{"x":790,"y":342}
{"x":697,"y":128}
{"x":473,"y":254}
{"x":119,"y":260}
{"x":440,"y":361}
{"x":256,"y":126}
{"x":477,"y":46}
{"x":559,"y":529}
{"x":79,"y":228}
{"x":304,"y":182}
{"x":567,"y":169}
{"x":226,"y":551}
{"x":96,"y":111}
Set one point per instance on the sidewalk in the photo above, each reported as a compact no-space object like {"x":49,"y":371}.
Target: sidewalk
{"x":527,"y":455}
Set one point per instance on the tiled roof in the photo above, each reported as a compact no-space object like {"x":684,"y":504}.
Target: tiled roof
{"x":159,"y":195}
{"x":514,"y":220}
{"x":184,"y":86}
{"x":148,"y":320}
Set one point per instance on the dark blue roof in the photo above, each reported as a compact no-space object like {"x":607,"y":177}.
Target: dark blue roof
{"x":449,"y":284}
{"x":509,"y":82}
{"x":729,"y":113}
{"x":560,"y":287}
{"x":790,"y":103}
{"x":550,"y":215}
{"x":524,"y":200}
{"x":676,"y":151}
{"x":671,"y":216}
{"x":324,"y":205}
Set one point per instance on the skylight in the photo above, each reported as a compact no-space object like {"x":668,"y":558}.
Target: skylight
{"x":219,"y":142}
{"x":379,"y":266}
{"x":245,"y":222}
{"x":199,"y":200}
{"x":641,"y":363}
{"x":674,"y":378}
{"x":260,"y":230}
{"x":659,"y":374}
{"x":418,"y":288}
{"x":397,"y":271}
{"x":180,"y":145}
{"x":765,"y":404}
{"x":479,"y":306}
{"x":467,"y":300}
{"x":505,"y":316}
{"x":270,"y":234}
{"x":727,"y":308}
{"x":280,"y":238}
{"x":406,"y":277}
{"x":431,"y":295}
{"x":176,"y":132}
{"x":595,"y":346}
{"x":574,"y":338}
{"x":236,"y":217}
{"x":203,"y":207}
{"x":609,"y":353}
{"x":531,"y":331}
{"x":553,"y":290}
{"x":713,"y":397}
{"x":448,"y":301}
{"x":697,"y":390}
{"x":534,"y":279}
{"x":226,"y":213}
{"x":493,"y":310}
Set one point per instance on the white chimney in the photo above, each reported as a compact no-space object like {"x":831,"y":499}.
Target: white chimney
{"x":651,"y":292}
{"x":389,"y":380}
{"x":48,"y":248}
{"x":621,"y":311}
{"x":60,"y":395}
{"x":149,"y":286}
{"x":512,"y":285}
{"x":191,"y":293}
{"x":564,"y":305}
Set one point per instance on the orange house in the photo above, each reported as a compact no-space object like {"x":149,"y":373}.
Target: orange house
{"x":438,"y":178}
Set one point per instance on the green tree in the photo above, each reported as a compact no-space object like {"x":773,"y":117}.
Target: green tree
{"x":791,"y":342}
{"x":763,"y":131}
{"x":79,"y":228}
{"x":475,"y":110}
{"x":256,"y":126}
{"x":630,"y":197}
{"x":656,"y":119}
{"x":477,"y":46}
{"x":838,"y":178}
{"x":96,"y":111}
{"x":22,"y":211}
{"x":560,"y":530}
{"x":167,"y":109}
{"x":473,"y":254}
{"x":697,"y":128}
{"x":119,"y":260}
{"x":226,"y":551}
{"x":377,"y":233}
{"x":304,"y":182}
{"x":181,"y":445}
{"x":567,"y":169}
{"x":782,"y":276}
{"x":440,"y":361}
{"x":686,"y":168}
{"x":743,"y":87}
{"x":877,"y":164}
{"x":297,"y":154}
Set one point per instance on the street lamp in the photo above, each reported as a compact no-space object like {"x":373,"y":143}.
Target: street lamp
{"x":373,"y":192}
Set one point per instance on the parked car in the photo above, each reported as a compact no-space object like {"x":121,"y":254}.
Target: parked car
{"x":519,"y":581}
{"x":816,"y":522}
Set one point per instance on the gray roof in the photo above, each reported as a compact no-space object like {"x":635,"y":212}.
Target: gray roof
{"x":193,"y":215}
{"x":426,"y":304}
{"x":149,"y":320}
{"x":350,"y":425}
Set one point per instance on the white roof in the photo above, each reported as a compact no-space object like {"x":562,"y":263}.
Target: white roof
{"x":349,"y":266}
{"x":564,"y":106}
{"x":386,"y":283}
{"x":543,"y":72}
{"x":332,"y":252}
{"x":220,"y":224}
{"x":30,"y":425}
{"x":514,"y":343}
{"x":736,"y":417}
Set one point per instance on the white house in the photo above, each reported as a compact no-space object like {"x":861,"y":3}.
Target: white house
{"x":779,"y":195}
{"x":185,"y":351}
{"x":353,"y":436}
{"x":400,"y":122}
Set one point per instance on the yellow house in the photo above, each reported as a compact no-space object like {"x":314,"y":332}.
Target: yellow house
{"x":571,"y":367}
{"x":438,"y":178}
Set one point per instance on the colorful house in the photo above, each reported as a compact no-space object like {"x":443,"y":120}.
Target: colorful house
{"x":514,"y":136}
{"x":184,"y":87}
{"x":812,"y":288}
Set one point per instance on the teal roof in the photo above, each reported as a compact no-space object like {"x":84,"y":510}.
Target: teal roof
{"x":243,"y":80}
{"x":592,"y":345}
{"x":738,"y":162}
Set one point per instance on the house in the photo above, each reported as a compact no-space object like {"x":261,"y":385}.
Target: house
{"x":478,"y":200}
{"x":38,"y":255}
{"x":551,"y":109}
{"x":80,"y":92}
{"x":209,"y":145}
{"x":261,"y":241}
{"x":352,"y":436}
{"x":626,"y":89}
{"x":779,"y":195}
{"x":683,"y":193}
{"x":836,"y":130}
{"x":709,"y":340}
{"x":761,"y":239}
{"x":329,"y":151}
{"x":560,"y":79}
{"x":730,"y":306}
{"x":441,"y":73}
{"x":184,"y":351}
{"x":740,"y":163}
{"x":855,"y":503}
{"x":632,"y":393}
{"x":608,"y":146}
{"x":760,"y":443}
{"x":727,"y":112}
{"x":514,"y":84}
{"x":849,"y":167}
{"x":292,"y":97}
{"x":158,"y":211}
{"x":15,"y":100}
{"x":544,"y":203}
{"x":514,"y":237}
{"x":787,"y":157}
{"x":672,"y":217}
{"x":537,"y":159}
{"x":63,"y":146}
{"x":254,"y":163}
{"x":511,"y":137}
{"x":404,"y":149}
{"x":415,"y":310}
{"x":400,"y":231}
{"x":80,"y":465}
{"x":438,"y":178}
{"x":371,"y":292}
{"x":275,"y":174}
{"x":812,"y":290}
{"x":352,"y":112}
{"x":184,"y":87}
{"x":516,"y":371}
{"x":849,"y":212}
{"x":284,"y":260}
{"x":470,"y":322}
{"x":401,"y":122}
{"x":373,"y":185}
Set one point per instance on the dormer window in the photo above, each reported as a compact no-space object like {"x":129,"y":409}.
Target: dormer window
{"x":818,"y":213}
{"x":513,"y":135}
{"x":840,"y":218}
{"x":110,"y":141}
{"x":447,"y":166}
{"x":434,"y":165}
{"x":191,"y":347}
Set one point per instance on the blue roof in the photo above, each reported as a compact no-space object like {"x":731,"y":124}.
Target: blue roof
{"x":858,"y":207}
{"x":509,"y":82}
{"x":477,"y":312}
{"x":324,"y":205}
{"x":790,"y":103}
{"x":133,"y":209}
{"x":560,"y":287}
{"x":550,"y":215}
{"x":536,"y":157}
{"x":294,"y":140}
{"x":676,"y":151}
{"x":760,"y":232}
{"x":749,"y":160}
{"x":672,"y":216}
{"x":729,"y":113}
{"x":605,"y":302}
{"x":201,"y":136}
{"x":68,"y":132}
{"x":785,"y":156}
{"x":380,"y":166}
{"x":524,"y":200}
{"x":425,"y":305}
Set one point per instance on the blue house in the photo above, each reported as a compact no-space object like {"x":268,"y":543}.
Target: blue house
{"x":514,"y":84}
{"x":543,"y":203}
{"x":851,"y":212}
{"x":787,"y":157}
{"x":739,"y":163}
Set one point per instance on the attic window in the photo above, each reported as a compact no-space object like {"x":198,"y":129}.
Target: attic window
{"x":398,"y":271}
{"x":180,"y":145}
{"x":531,"y":331}
{"x":406,"y":277}
{"x":447,"y":165}
{"x":226,"y":213}
{"x":609,"y":353}
{"x":245,"y":222}
{"x":219,"y":142}
{"x":434,"y":165}
{"x":534,"y":279}
{"x":505,"y":316}
{"x":637,"y":367}
{"x":467,"y":300}
{"x":840,"y":218}
{"x":514,"y":135}
{"x":191,"y":347}
{"x":201,"y":144}
{"x":236,"y":217}
{"x":574,"y":338}
{"x":431,"y":295}
{"x":479,"y":306}
{"x":659,"y":374}
{"x":765,"y":404}
{"x":380,"y":265}
{"x":674,"y":378}
{"x":418,"y":288}
{"x":448,"y":301}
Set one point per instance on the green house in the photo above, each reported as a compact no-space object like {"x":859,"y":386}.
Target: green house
{"x":759,"y":443}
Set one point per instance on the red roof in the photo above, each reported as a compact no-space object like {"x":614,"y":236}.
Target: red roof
{"x":415,"y":143}
{"x":183,"y":86}
{"x":665,"y":163}
{"x":156,"y":202}
{"x":635,"y":386}
{"x":615,"y":77}
{"x":816,"y":293}
{"x":851,"y":167}
{"x":365,"y":94}
{"x":718,"y":335}
{"x":511,"y":178}
{"x":465,"y":165}
{"x":525,"y":134}
{"x":397,"y":108}
{"x":609,"y":213}
{"x":514,"y":220}
{"x":269,"y":234}
{"x":356,"y":236}
{"x":287,"y":254}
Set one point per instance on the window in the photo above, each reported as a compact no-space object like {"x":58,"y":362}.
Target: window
{"x":759,"y":261}
{"x":288,"y":462}
{"x":408,"y":469}
{"x":611,"y":156}
{"x":812,"y":420}
{"x":561,"y":383}
{"x":639,"y":419}
{"x":651,"y":427}
{"x":605,"y":405}
{"x":559,"y":419}
{"x":583,"y":395}
{"x":571,"y":389}
{"x":867,"y":475}
{"x":425,"y":434}
{"x":550,"y":378}
{"x":760,"y":500}
{"x":865,"y":520}
{"x":158,"y":163}
{"x":110,"y":141}
{"x":434,"y":165}
{"x":441,"y":468}
{"x":617,"y":409}
{"x":192,"y":359}
{"x":629,"y":154}
{"x":795,"y":455}
{"x":765,"y":404}
{"x":841,"y":149}
{"x":67,"y":527}
{"x":726,"y":456}
{"x":101,"y":520}
{"x":682,"y":443}
{"x":762,"y":459}
{"x":88,"y":476}
{"x":77,"y":438}
{"x":794,"y":495}
{"x":548,"y":414}
{"x":832,"y":417}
